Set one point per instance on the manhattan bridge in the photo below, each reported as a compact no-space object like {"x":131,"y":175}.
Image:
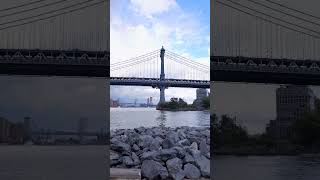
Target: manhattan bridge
{"x":160,"y":69}
{"x":265,"y":41}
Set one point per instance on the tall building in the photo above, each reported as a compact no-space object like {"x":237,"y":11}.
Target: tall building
{"x":27,"y":128}
{"x":292,"y":102}
{"x":4,"y":129}
{"x":150,"y":101}
{"x":82,"y":125}
{"x":201,"y":93}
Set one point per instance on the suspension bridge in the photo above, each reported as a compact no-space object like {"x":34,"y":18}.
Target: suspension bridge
{"x":55,"y":38}
{"x":160,"y":69}
{"x":265,"y":41}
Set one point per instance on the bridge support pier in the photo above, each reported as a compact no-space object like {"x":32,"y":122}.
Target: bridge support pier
{"x":162,"y":94}
{"x":162,"y":77}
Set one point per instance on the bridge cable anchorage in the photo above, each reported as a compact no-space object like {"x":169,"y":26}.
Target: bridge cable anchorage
{"x":278,"y":19}
{"x":45,"y":18}
{"x":292,"y":9}
{"x":27,"y":10}
{"x":22,"y":5}
{"x":283,"y":12}
{"x":267,"y":20}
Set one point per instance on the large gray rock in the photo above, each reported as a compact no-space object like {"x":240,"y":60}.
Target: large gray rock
{"x":174,"y":137}
{"x":194,"y":146}
{"x":168,"y":143}
{"x":204,"y":165}
{"x":166,"y":154}
{"x":158,"y":132}
{"x":135,"y":159}
{"x":127,"y":161}
{"x":150,"y":155}
{"x":153,"y":170}
{"x":181,"y":134}
{"x":181,"y":152}
{"x":120,"y":147}
{"x":203,"y":147}
{"x":175,"y":168}
{"x":189,"y":159}
{"x":184,"y":142}
{"x":191,"y":171}
{"x":155,"y":144}
{"x":145,"y":141}
{"x":135,"y":148}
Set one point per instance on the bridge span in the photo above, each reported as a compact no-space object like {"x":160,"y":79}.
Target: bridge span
{"x":156,"y":82}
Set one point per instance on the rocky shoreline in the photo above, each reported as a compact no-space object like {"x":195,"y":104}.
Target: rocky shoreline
{"x":162,"y":152}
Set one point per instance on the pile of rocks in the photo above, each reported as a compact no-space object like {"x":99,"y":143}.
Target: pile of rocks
{"x":163,"y":153}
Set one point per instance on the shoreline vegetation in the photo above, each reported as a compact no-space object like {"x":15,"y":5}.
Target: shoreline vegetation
{"x":178,"y":104}
{"x":230,"y":138}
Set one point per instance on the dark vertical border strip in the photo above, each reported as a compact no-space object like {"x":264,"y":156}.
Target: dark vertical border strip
{"x":212,"y":12}
{"x":108,"y":94}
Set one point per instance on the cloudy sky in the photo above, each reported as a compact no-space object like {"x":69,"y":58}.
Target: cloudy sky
{"x":141,"y":26}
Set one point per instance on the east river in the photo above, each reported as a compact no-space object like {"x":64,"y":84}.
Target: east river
{"x":304,"y":167}
{"x":128,"y":118}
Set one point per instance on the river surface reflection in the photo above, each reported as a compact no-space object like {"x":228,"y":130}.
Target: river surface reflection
{"x":266,"y":167}
{"x":128,"y":118}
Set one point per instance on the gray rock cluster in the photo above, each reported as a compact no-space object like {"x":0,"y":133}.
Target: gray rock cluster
{"x":163,"y":152}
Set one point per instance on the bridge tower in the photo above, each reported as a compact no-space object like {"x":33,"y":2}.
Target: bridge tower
{"x":162,"y":77}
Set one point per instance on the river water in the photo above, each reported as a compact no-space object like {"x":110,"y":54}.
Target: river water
{"x":128,"y":118}
{"x":266,"y":167}
{"x":31,"y":162}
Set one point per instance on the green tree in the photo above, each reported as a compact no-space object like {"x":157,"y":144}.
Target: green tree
{"x":206,"y":102}
{"x":307,"y":130}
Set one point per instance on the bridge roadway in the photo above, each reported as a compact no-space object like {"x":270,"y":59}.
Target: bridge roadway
{"x":155,"y":82}
{"x":54,"y":62}
{"x":264,"y":70}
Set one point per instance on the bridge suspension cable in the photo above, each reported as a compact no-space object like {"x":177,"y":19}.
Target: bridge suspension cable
{"x":46,"y":13}
{"x":22,"y":5}
{"x":278,"y":19}
{"x":148,"y":66}
{"x":32,"y":9}
{"x":189,"y":65}
{"x":136,"y":58}
{"x":268,"y":20}
{"x":292,"y":9}
{"x":63,"y":13}
{"x":134,"y":61}
{"x":187,"y":60}
{"x":283,"y":12}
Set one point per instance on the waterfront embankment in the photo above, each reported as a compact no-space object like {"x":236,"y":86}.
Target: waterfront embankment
{"x":163,"y":152}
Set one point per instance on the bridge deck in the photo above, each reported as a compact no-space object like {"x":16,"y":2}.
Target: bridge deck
{"x":264,"y":70}
{"x":155,"y":82}
{"x":54,"y":63}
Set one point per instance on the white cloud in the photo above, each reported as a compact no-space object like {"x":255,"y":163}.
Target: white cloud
{"x":149,"y":8}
